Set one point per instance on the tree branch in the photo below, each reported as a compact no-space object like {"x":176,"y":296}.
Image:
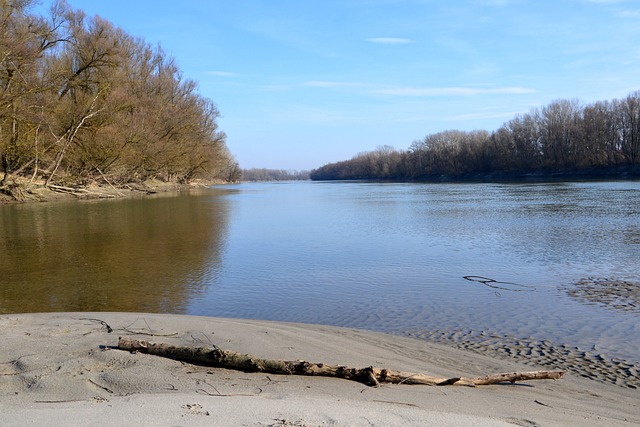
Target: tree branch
{"x":370,"y":376}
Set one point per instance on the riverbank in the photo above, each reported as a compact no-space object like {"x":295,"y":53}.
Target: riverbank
{"x":63,"y":366}
{"x":594,"y":173}
{"x":23,"y":190}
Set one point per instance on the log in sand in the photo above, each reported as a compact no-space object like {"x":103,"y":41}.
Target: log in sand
{"x":228,"y":359}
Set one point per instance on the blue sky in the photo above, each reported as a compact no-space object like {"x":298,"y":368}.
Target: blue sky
{"x":303,"y":83}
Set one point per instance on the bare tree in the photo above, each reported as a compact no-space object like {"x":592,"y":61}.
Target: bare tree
{"x":564,"y":136}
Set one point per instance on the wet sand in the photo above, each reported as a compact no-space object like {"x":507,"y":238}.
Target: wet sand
{"x":61,"y":367}
{"x":612,"y":294}
{"x":588,"y":364}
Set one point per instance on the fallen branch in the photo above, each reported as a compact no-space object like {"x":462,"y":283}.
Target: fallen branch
{"x":371,"y":376}
{"x":79,"y":192}
{"x":120,"y":193}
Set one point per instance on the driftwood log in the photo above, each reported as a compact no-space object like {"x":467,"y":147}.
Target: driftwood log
{"x":220,"y":358}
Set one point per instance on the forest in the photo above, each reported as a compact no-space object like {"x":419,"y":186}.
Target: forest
{"x":263,"y":174}
{"x":83,"y":101}
{"x":565,"y":138}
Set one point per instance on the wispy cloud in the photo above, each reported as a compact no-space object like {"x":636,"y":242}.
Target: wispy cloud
{"x":484,"y":116}
{"x":323,"y":83}
{"x":505,"y":115}
{"x":389,"y":40}
{"x":495,"y":3}
{"x":604,"y":1}
{"x":277,"y":87}
{"x":453,"y":91}
{"x":222,"y":73}
{"x":629,"y":13}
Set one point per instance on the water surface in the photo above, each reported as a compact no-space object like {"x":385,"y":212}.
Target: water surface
{"x":386,"y":257}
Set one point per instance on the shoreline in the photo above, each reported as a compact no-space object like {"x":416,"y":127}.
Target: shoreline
{"x":57,"y":365}
{"x":541,"y":354}
{"x":33,"y":192}
{"x":627,"y":172}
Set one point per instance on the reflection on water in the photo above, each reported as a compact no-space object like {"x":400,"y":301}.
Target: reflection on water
{"x":148,"y":254}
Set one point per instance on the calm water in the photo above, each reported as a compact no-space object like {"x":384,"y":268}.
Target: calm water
{"x":386,"y":257}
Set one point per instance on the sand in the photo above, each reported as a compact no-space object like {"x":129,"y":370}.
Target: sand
{"x":63,"y":369}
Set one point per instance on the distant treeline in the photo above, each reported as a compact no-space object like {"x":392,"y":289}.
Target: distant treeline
{"x":82,"y":100}
{"x":564,"y":138}
{"x":274,"y":175}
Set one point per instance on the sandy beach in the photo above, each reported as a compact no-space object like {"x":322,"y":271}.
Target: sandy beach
{"x":65,"y":369}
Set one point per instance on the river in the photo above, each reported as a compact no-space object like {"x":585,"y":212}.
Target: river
{"x":405,"y":258}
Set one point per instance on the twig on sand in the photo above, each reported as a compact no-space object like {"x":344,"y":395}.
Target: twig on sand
{"x":108,"y":390}
{"x":150,"y":333}
{"x":105,"y":324}
{"x":396,"y":403}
